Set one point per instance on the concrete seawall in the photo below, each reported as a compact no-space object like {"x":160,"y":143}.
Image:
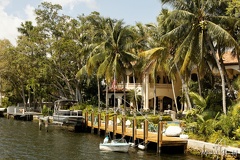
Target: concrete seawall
{"x":218,"y":149}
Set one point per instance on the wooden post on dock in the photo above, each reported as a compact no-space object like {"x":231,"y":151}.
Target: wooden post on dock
{"x":46,"y":123}
{"x":86,"y":119}
{"x":145,"y":131}
{"x":123,"y":125}
{"x":99,"y":122}
{"x":44,"y":120}
{"x":114,"y":125}
{"x":106,"y":123}
{"x":92,"y":122}
{"x":40,"y":124}
{"x":134,"y":130}
{"x":159,"y":138}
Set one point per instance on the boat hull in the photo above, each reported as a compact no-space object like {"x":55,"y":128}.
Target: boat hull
{"x":120,"y":147}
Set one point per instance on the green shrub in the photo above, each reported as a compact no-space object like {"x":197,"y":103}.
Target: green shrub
{"x":216,"y":136}
{"x":237,"y":133}
{"x":152,"y":119}
{"x":5,"y":102}
{"x":46,"y":111}
{"x":225,"y":124}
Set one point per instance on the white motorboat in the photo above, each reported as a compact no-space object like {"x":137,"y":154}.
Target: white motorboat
{"x":116,"y":145}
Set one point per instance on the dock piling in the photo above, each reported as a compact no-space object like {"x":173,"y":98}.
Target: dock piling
{"x":114,"y":125}
{"x":86,"y":119}
{"x":159,"y":140}
{"x":92,"y":122}
{"x":40,"y":124}
{"x":46,"y":124}
{"x":134,"y":130}
{"x":123,"y":126}
{"x":99,"y":122}
{"x":139,"y":137}
{"x":106,"y":122}
{"x":145,"y":131}
{"x":44,"y":120}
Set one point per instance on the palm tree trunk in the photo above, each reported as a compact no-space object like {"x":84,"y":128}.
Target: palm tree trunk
{"x":114,"y":93}
{"x":223,"y":84}
{"x":185,"y":89}
{"x":238,"y":58}
{"x":221,"y":75}
{"x":99,"y":98}
{"x":124,"y":94}
{"x":231,"y":91}
{"x":78,"y":93}
{"x":106,"y":98}
{"x":199,"y":82}
{"x":29,"y":98}
{"x":174,"y":96}
{"x":154,"y":98}
{"x":135,"y":96}
{"x":23,"y":96}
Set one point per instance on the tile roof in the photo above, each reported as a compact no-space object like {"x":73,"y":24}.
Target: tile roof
{"x":228,"y":58}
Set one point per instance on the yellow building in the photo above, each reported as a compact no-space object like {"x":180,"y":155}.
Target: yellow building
{"x":164,"y":88}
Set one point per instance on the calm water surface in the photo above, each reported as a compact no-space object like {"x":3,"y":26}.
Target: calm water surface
{"x":23,"y":140}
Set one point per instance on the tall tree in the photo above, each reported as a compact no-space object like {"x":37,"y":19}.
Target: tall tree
{"x":155,"y":63}
{"x":97,"y":29}
{"x":65,"y":39}
{"x":202,"y":30}
{"x":31,"y":44}
{"x":118,"y":57}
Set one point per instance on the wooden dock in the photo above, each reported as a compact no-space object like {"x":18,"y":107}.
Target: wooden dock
{"x":19,"y":113}
{"x":143,"y":134}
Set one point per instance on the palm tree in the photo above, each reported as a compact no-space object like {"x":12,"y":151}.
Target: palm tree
{"x":134,"y":98}
{"x":169,"y":41}
{"x":155,"y":58}
{"x":117,"y":56}
{"x":96,"y":26}
{"x":197,"y":25}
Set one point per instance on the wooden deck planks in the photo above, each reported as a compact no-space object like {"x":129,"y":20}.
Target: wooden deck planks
{"x":152,"y":136}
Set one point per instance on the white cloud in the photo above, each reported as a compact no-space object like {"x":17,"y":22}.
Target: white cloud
{"x":29,"y":11}
{"x":92,"y":4}
{"x":4,"y":3}
{"x":9,"y":24}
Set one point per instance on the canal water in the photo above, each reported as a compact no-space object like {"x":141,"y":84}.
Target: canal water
{"x":23,"y":140}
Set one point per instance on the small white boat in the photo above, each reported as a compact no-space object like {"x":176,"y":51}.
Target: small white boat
{"x":116,"y":145}
{"x":142,"y":147}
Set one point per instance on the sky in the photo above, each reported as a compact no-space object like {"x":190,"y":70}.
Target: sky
{"x":14,"y":12}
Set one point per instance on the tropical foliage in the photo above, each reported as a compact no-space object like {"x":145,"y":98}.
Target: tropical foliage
{"x":64,"y":57}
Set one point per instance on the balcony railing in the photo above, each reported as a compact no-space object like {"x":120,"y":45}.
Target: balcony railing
{"x":139,"y":85}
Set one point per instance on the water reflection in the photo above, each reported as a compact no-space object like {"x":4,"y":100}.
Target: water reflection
{"x":23,"y":140}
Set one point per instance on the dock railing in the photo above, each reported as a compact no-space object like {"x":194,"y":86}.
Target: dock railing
{"x":15,"y":110}
{"x":121,"y":126}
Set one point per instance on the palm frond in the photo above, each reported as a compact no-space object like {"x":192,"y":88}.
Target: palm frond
{"x":198,"y":100}
{"x":81,"y":72}
{"x":103,"y":67}
{"x":150,"y":52}
{"x":217,"y":32}
{"x":184,"y":47}
{"x":200,"y":117}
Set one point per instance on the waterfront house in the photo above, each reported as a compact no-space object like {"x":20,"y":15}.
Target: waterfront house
{"x":144,"y":86}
